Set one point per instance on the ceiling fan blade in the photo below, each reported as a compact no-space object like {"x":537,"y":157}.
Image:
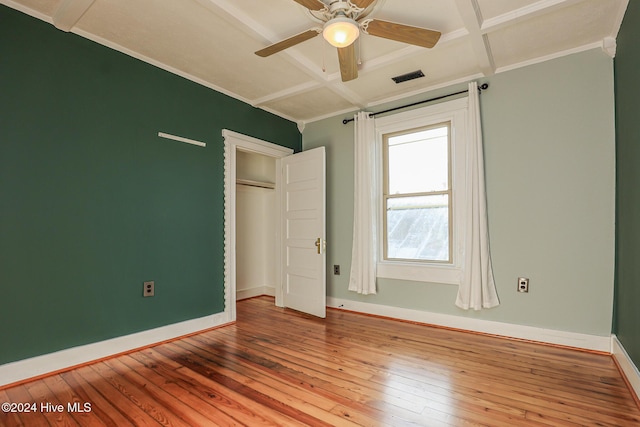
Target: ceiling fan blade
{"x":402,"y":33}
{"x":311,"y":4}
{"x":286,"y":43}
{"x":362,"y":3}
{"x":348,"y":62}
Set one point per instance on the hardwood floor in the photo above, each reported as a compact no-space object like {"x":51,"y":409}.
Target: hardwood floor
{"x":279,"y":367}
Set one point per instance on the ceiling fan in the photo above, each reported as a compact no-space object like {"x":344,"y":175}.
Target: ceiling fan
{"x":343,"y":21}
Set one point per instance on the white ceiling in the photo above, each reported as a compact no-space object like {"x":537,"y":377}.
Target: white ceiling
{"x":212,"y":42}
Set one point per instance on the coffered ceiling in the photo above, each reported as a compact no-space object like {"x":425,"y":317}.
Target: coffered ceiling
{"x":212,"y":42}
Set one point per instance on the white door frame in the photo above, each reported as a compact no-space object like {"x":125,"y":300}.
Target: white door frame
{"x":234,"y":141}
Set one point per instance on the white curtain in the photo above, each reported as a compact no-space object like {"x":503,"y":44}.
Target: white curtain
{"x":364,"y":251}
{"x":477,"y":289}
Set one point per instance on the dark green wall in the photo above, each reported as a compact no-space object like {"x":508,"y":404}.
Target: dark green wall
{"x":93,"y":203}
{"x":627,"y":290}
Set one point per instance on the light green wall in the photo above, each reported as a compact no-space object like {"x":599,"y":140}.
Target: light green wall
{"x":549,"y":155}
{"x":93,"y":203}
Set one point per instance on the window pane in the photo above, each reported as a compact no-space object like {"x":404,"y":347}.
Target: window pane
{"x":419,"y":161}
{"x":418,"y":228}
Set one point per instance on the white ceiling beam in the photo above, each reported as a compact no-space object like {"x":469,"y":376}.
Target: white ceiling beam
{"x":286,"y":93}
{"x":541,"y":7}
{"x":408,"y":51}
{"x":472,"y":18}
{"x":69,"y":13}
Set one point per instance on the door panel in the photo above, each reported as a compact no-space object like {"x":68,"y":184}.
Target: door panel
{"x":303,"y":223}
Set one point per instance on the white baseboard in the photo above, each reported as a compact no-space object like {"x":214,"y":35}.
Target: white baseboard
{"x":629,"y":369}
{"x":40,"y":365}
{"x":549,"y":336}
{"x":255,"y":292}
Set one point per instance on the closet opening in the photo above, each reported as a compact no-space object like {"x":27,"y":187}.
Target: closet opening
{"x":252,"y":230}
{"x":255,"y":225}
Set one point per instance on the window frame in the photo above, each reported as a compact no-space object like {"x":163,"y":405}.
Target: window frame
{"x":386,"y":193}
{"x":454,"y":112}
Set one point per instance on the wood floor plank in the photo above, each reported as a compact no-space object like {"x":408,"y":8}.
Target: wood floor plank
{"x":7,"y":417}
{"x":268,"y":393}
{"x":140,"y":396}
{"x":312,"y":378}
{"x":159,"y":395}
{"x":32,"y":417}
{"x":353,"y":395}
{"x":53,"y":410}
{"x":392,"y":395}
{"x":204,"y":413}
{"x":279,"y":367}
{"x":107,"y":412}
{"x":74,"y":405}
{"x":448,"y":396}
{"x":240,"y":406}
{"x":118,"y":398}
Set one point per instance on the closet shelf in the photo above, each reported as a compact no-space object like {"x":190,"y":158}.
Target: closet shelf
{"x":252,"y":183}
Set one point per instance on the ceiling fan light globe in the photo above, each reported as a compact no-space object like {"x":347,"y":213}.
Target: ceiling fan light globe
{"x":340,"y":31}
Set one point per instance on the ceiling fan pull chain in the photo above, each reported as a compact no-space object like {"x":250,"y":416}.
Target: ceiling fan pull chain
{"x":359,"y":50}
{"x":324,"y":48}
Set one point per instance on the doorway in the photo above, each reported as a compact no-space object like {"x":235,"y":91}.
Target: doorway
{"x":250,"y":165}
{"x":255,"y":225}
{"x":297,"y":214}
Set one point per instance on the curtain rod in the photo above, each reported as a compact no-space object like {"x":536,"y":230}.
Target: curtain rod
{"x":482,"y":87}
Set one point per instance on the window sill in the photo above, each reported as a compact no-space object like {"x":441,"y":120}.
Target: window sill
{"x":446,"y":274}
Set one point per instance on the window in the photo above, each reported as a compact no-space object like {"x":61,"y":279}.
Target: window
{"x":422,"y":181}
{"x":417,"y":195}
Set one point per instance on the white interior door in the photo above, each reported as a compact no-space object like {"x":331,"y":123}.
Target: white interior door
{"x":303,"y":232}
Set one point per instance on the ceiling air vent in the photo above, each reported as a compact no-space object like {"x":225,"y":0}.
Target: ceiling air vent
{"x":409,"y":76}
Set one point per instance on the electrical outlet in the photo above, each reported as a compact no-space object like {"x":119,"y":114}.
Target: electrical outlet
{"x":336,"y":270}
{"x":148,"y":289}
{"x":523,"y":284}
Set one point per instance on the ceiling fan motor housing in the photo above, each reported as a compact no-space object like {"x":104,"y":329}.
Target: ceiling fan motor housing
{"x":343,"y":7}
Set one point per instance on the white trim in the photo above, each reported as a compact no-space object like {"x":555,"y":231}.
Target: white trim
{"x":69,"y":12}
{"x":609,"y":46}
{"x":538,"y":8}
{"x":28,"y":368}
{"x":556,"y":55}
{"x":28,"y":11}
{"x":530,"y":333}
{"x":256,"y":292}
{"x":416,"y":272}
{"x":233,"y":142}
{"x":249,"y":143}
{"x":181,"y":139}
{"x":629,"y":369}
